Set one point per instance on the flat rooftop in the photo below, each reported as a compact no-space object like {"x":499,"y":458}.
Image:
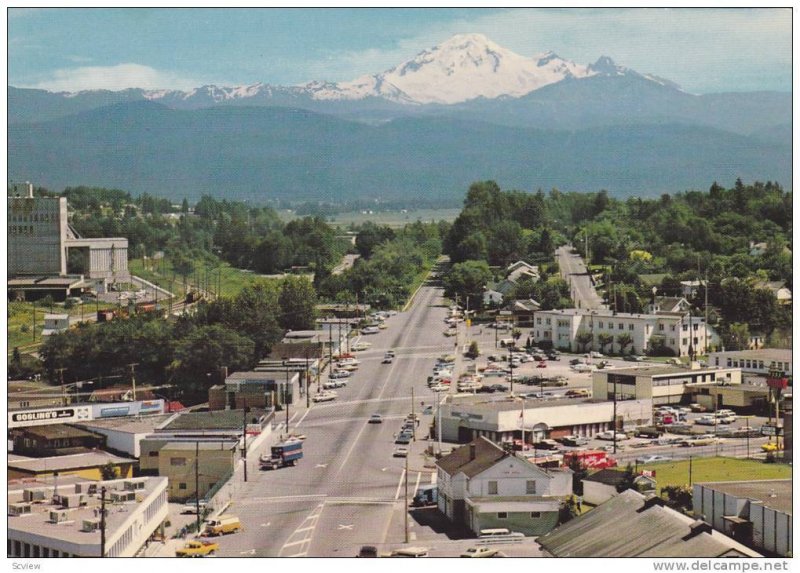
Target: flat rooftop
{"x":665,"y":370}
{"x":515,"y":404}
{"x":118,"y":513}
{"x":130,"y":425}
{"x":63,"y":463}
{"x":774,"y":494}
{"x":213,"y":420}
{"x":782,"y":354}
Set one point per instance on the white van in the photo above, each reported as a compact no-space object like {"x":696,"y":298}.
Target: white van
{"x":498,"y":532}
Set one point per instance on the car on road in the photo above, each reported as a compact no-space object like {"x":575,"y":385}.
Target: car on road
{"x":387,"y":360}
{"x":327,"y":396}
{"x":375,"y":419}
{"x":347,"y":367}
{"x":576,"y":361}
{"x":582,"y":368}
{"x":695,"y":407}
{"x":333,"y":384}
{"x":541,"y":365}
{"x":485,"y":390}
{"x":706,"y":421}
{"x":595,"y":354}
{"x":698,"y":441}
{"x":771,"y":447}
{"x":400,"y":452}
{"x":480,"y":552}
{"x":577,"y":393}
{"x":652,"y":459}
{"x":427,"y":410}
{"x":191,"y":506}
{"x":389,"y":353}
{"x":337,"y":374}
{"x":403,"y":438}
{"x":197,"y":548}
{"x":632,"y":358}
{"x":358,"y":346}
{"x":574,"y":441}
{"x":368,"y":551}
{"x":370,"y":330}
{"x":382,"y":326}
{"x":439,"y":388}
{"x":499,"y":387}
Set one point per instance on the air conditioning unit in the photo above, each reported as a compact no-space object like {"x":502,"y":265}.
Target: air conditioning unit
{"x":90,"y":525}
{"x":122,"y":496}
{"x":72,"y":500}
{"x":16,"y":509}
{"x":58,"y":516}
{"x":34,"y":494}
{"x":133,"y":485}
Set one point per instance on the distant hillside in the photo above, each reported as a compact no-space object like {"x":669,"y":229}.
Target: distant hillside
{"x":267,"y":152}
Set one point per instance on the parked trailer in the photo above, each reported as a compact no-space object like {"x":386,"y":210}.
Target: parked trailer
{"x":284,"y":454}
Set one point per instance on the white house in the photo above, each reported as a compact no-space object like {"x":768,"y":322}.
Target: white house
{"x":602,"y":485}
{"x":55,"y":323}
{"x":492,"y":297}
{"x":482,"y":486}
{"x":778,"y":288}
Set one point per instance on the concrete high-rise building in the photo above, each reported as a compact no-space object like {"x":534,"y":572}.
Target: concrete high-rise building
{"x":42,"y":243}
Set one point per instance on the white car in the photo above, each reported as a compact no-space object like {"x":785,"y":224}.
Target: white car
{"x":400,"y":452}
{"x":480,"y":552}
{"x":652,"y":459}
{"x":370,"y":330}
{"x":334,"y":384}
{"x":358,"y":346}
{"x":705,"y":421}
{"x":327,"y":396}
{"x":439,"y":388}
{"x":609,"y":435}
{"x":336,"y":374}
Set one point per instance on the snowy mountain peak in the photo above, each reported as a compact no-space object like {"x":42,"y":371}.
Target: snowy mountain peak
{"x":465,"y":67}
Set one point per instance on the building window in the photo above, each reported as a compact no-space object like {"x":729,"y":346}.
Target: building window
{"x":684,"y":341}
{"x":182,"y":485}
{"x":661,"y":327}
{"x":694,"y":326}
{"x":630,"y":326}
{"x":611,"y":326}
{"x":492,"y":488}
{"x":672,"y":327}
{"x":530,"y":486}
{"x":177,"y":461}
{"x":153,"y":454}
{"x":539,"y":320}
{"x":685,"y":327}
{"x":672,"y":342}
{"x":502,"y":515}
{"x":600,"y":324}
{"x":536,"y":514}
{"x":547,"y":322}
{"x":620,"y":326}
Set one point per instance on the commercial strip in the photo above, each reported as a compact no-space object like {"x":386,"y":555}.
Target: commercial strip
{"x":87,"y":465}
{"x":465,"y":418}
{"x":761,"y":361}
{"x":66,"y":520}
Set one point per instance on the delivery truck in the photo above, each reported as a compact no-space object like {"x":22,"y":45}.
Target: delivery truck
{"x":281,"y":455}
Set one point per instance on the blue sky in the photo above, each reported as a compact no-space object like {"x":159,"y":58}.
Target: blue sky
{"x":704,"y":51}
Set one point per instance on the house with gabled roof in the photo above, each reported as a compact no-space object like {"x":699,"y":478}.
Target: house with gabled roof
{"x":483,"y":486}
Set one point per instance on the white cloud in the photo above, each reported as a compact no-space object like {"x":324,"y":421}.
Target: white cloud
{"x":114,"y":78}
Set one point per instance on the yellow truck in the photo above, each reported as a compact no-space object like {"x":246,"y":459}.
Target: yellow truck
{"x":222,"y":525}
{"x":197,"y":548}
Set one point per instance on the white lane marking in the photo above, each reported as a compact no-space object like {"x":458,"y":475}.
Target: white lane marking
{"x":313,"y":518}
{"x":267,"y":524}
{"x":287,"y":497}
{"x":400,"y":484}
{"x":249,"y":552}
{"x":347,"y":527}
{"x":293,"y":417}
{"x":384,"y":469}
{"x":350,"y":451}
{"x":304,"y":529}
{"x":433,"y":478}
{"x":419,"y":477}
{"x":303,"y":418}
{"x":321,"y":466}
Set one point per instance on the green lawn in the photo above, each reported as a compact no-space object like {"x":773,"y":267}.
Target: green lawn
{"x":395,"y":219}
{"x":20,"y":317}
{"x":716,"y":469}
{"x":231,"y":280}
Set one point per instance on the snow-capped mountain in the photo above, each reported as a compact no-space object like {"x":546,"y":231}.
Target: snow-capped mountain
{"x":465,"y":67}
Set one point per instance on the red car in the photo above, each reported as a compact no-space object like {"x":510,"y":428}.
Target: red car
{"x":541,"y":365}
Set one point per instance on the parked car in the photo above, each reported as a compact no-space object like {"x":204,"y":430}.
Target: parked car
{"x":541,"y":364}
{"x":333,"y":384}
{"x":403,"y":438}
{"x":337,"y":374}
{"x":370,"y":330}
{"x":632,"y":358}
{"x":695,"y":407}
{"x":375,"y":419}
{"x":706,"y":421}
{"x":480,"y":552}
{"x":652,"y":459}
{"x":368,"y":551}
{"x":327,"y":396}
{"x":609,"y":435}
{"x":191,"y":506}
{"x":400,"y":452}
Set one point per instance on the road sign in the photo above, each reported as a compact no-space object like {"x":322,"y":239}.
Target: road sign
{"x":771,"y":430}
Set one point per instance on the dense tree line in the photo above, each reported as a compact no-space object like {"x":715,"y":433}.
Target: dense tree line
{"x":687,"y":236}
{"x":186,"y":353}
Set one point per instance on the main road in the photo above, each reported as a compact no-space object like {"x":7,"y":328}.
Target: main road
{"x":348,"y":490}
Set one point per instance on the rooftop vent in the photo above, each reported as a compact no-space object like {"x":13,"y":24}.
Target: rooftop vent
{"x":16,"y":509}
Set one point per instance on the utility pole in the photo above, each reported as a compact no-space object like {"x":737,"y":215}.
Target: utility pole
{"x":34,"y":321}
{"x":133,"y":378}
{"x":614,"y":423}
{"x":244,"y":437}
{"x":286,"y":397}
{"x":103,"y":521}
{"x":690,"y":471}
{"x":308,"y":398}
{"x":197,"y":483}
{"x":63,"y":389}
{"x":414,"y":425}
{"x":405,"y":509}
{"x":511,"y":366}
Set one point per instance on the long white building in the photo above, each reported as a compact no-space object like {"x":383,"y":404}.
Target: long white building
{"x":674,"y":330}
{"x":64,"y":521}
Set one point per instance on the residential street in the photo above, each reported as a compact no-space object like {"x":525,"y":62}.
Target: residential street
{"x":574,"y":271}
